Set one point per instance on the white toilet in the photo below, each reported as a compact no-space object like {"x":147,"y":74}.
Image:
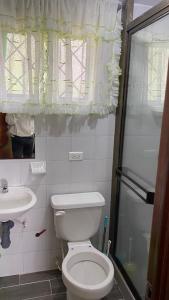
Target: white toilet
{"x":86,"y":272}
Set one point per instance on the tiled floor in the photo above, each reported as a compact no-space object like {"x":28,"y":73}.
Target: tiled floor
{"x":40,"y":286}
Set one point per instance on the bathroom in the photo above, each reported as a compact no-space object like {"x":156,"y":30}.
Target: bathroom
{"x":83,"y":161}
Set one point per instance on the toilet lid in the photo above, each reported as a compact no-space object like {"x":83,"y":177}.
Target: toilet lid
{"x":88,"y":272}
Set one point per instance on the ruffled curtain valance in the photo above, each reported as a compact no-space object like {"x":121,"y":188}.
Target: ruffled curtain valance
{"x":59,"y":56}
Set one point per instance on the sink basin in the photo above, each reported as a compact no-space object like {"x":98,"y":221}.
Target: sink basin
{"x":16,"y":202}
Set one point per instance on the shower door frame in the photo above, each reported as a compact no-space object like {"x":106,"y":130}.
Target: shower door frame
{"x":156,"y":272}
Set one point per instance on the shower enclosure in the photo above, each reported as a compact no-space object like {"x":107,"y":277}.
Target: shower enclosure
{"x":139,"y":131}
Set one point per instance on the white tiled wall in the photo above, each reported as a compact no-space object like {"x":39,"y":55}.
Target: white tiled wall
{"x":55,"y":137}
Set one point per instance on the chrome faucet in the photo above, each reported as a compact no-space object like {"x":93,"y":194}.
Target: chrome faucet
{"x":3,"y":185}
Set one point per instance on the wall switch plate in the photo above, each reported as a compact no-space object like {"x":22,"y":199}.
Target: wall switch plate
{"x":75,"y":155}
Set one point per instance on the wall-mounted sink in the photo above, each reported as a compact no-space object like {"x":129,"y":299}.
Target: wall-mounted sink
{"x":16,"y":202}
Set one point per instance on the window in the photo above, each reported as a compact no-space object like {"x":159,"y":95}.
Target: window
{"x":61,"y":57}
{"x":20,"y":69}
{"x":72,"y":79}
{"x":19,"y":66}
{"x":158,"y":56}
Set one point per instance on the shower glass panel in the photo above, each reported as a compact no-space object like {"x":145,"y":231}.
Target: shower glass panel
{"x":137,"y":174}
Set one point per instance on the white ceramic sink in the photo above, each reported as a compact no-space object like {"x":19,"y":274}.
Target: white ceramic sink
{"x":16,"y":202}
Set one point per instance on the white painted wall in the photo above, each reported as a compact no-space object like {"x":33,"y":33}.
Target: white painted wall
{"x":55,"y":137}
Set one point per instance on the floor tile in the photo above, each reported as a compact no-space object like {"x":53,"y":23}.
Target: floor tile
{"x":59,"y":297}
{"x":52,"y":297}
{"x":9,"y":281}
{"x":57,"y":286}
{"x":46,"y":285}
{"x":39,"y":276}
{"x":32,"y":290}
{"x":12,"y":293}
{"x":115,"y":294}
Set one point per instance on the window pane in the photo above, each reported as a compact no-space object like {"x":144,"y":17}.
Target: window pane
{"x":19,"y":57}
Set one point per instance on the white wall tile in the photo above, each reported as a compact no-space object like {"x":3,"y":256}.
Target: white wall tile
{"x":11,"y":264}
{"x":82,"y":170}
{"x":46,"y":241}
{"x":38,"y":219}
{"x":11,"y":170}
{"x":55,"y":137}
{"x":85,"y":186}
{"x":58,"y":126}
{"x":85,"y":145}
{"x":58,"y":148}
{"x":17,"y":229}
{"x":83,"y":126}
{"x":40,"y":126}
{"x":39,"y":261}
{"x":106,"y":125}
{"x":58,"y":172}
{"x":40,"y":192}
{"x":40,"y":148}
{"x":57,"y":189}
{"x":103,"y":169}
{"x":27,"y":178}
{"x":104,"y":147}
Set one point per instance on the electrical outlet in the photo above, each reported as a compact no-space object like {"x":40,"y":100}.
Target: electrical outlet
{"x":75,"y":155}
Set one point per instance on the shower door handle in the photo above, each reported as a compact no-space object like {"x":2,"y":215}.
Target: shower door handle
{"x":136,"y":187}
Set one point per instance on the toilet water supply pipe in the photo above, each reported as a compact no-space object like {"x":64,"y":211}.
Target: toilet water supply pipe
{"x":106,"y":223}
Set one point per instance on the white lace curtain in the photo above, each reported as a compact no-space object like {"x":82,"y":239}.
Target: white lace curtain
{"x":59,"y":56}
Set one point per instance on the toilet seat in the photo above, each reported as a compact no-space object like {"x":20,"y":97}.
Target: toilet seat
{"x":86,"y":272}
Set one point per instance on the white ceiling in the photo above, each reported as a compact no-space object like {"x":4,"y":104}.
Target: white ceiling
{"x":148,"y":2}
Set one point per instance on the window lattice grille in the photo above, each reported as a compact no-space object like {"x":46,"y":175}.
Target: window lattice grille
{"x":17,"y":62}
{"x":158,"y":57}
{"x":72,"y":79}
{"x":21,"y":71}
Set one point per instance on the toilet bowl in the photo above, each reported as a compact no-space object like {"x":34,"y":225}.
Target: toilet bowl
{"x":86,"y":272}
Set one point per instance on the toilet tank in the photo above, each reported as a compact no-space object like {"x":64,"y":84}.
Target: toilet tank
{"x":77,"y":216}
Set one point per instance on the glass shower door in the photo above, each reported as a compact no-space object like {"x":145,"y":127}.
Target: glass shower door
{"x":137,"y":174}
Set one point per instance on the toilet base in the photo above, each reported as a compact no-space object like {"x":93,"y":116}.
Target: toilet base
{"x":71,"y":296}
{"x":84,"y":265}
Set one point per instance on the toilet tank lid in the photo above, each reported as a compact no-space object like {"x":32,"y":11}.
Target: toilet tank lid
{"x":79,"y":200}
